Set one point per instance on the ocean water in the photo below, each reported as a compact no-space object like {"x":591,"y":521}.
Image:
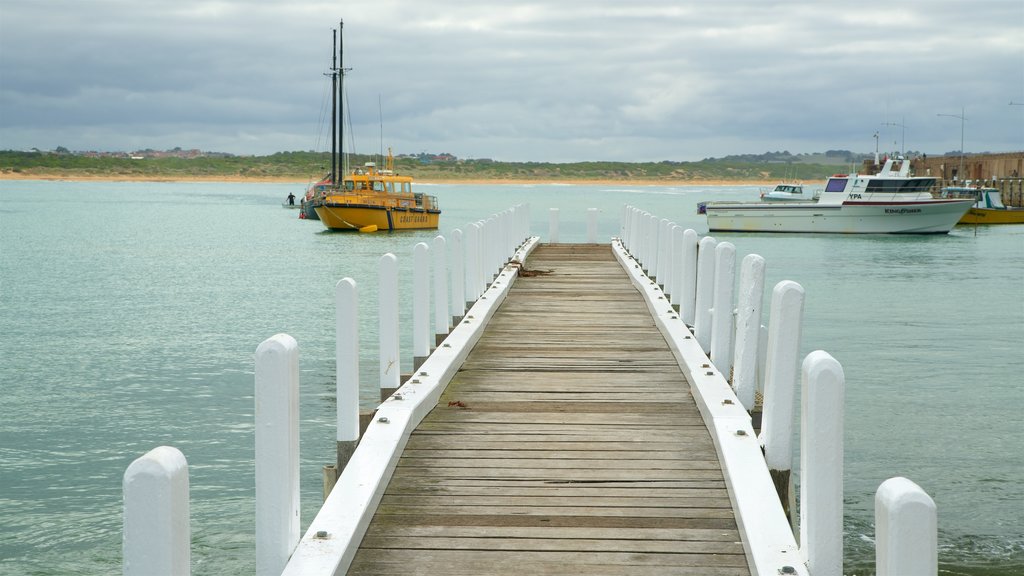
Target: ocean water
{"x":130,"y":314}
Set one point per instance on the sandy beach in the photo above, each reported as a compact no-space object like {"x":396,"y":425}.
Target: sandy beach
{"x":468,"y":181}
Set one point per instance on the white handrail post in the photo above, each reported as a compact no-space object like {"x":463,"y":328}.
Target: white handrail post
{"x":472,"y":263}
{"x":786,"y":315}
{"x":705,"y":292}
{"x":277,"y":453}
{"x":722,"y":305}
{"x":458,"y":277}
{"x":525,"y":232}
{"x":748,"y":329}
{"x":346,"y":353}
{"x":553,"y":226}
{"x":664,"y":249}
{"x":675,"y":281}
{"x":420,"y":304}
{"x":592,"y":225}
{"x":390,"y":361}
{"x":821,"y":463}
{"x":483,"y":257}
{"x":157,"y":536}
{"x":442,"y":320}
{"x":906,"y":530}
{"x":493,"y":252}
{"x":688,"y":290}
{"x":652,"y":246}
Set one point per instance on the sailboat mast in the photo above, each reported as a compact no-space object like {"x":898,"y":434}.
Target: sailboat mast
{"x":341,"y":99}
{"x":334,"y":108}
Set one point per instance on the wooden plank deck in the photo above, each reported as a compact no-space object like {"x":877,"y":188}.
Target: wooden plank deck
{"x":568,"y":443}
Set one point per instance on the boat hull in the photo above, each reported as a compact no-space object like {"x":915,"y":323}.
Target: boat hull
{"x":309,"y":210}
{"x":993,"y":216}
{"x":352,"y":217}
{"x":931,"y":217}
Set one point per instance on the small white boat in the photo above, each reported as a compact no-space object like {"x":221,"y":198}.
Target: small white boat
{"x":786,"y":192}
{"x":890,"y":202}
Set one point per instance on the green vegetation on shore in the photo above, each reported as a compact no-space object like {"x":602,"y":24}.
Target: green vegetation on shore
{"x":306,"y":165}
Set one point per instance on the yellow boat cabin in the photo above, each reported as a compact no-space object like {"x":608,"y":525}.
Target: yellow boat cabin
{"x":372,"y":199}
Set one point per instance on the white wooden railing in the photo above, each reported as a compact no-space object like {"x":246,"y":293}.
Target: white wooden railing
{"x":725,"y":356}
{"x":721,"y":345}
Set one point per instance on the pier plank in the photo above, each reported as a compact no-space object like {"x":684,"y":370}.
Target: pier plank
{"x":568,"y":443}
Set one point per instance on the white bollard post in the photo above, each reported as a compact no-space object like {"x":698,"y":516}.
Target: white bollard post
{"x":675,"y":281}
{"x":906,"y":530}
{"x":420,"y":304}
{"x":748,"y":329}
{"x":277,"y":453}
{"x":786,"y":317}
{"x":442,"y":321}
{"x":390,"y":361}
{"x":472,"y":246}
{"x":157,"y":537}
{"x":553,"y":226}
{"x":483,"y":256}
{"x":664,"y":252}
{"x":458,"y":277}
{"x":722,"y":305}
{"x":346,"y":353}
{"x":591,"y":225}
{"x":705,"y":292}
{"x":652,"y":246}
{"x":688,"y":290}
{"x":821,"y":464}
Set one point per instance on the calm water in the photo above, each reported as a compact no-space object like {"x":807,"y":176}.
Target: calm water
{"x":130,"y":313}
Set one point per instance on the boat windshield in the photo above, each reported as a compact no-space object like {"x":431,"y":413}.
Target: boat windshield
{"x":836,"y":185}
{"x":898,"y":186}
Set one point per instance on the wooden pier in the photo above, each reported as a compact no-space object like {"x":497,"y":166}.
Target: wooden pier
{"x":568,"y":442}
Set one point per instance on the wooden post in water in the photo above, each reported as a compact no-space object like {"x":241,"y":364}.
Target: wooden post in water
{"x":442,"y":320}
{"x":786,"y":317}
{"x":277,"y":453}
{"x":705,"y":292}
{"x":748,"y":329}
{"x":387,"y":300}
{"x":553,"y":226}
{"x":688,"y":289}
{"x":906,"y":530}
{"x":591,"y":225}
{"x":346,"y":353}
{"x":722,"y":307}
{"x":821,"y":463}
{"x":157,"y":536}
{"x":420,"y":304}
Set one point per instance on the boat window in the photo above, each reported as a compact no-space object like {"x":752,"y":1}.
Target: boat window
{"x":916,"y":185}
{"x":835,"y":185}
{"x":378,"y":186}
{"x":349,"y":185}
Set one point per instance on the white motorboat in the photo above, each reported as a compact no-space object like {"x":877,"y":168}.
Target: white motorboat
{"x":890,"y":202}
{"x":785,"y":191}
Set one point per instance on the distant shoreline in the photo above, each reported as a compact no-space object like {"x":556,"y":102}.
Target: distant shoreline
{"x":468,"y":181}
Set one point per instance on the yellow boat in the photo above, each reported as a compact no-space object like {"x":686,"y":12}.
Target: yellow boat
{"x":370,"y":197}
{"x":989,"y":207}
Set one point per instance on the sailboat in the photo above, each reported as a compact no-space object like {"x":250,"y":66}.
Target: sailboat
{"x":370,"y":198}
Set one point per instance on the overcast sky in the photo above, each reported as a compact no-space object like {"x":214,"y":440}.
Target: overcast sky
{"x":561,"y":80}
